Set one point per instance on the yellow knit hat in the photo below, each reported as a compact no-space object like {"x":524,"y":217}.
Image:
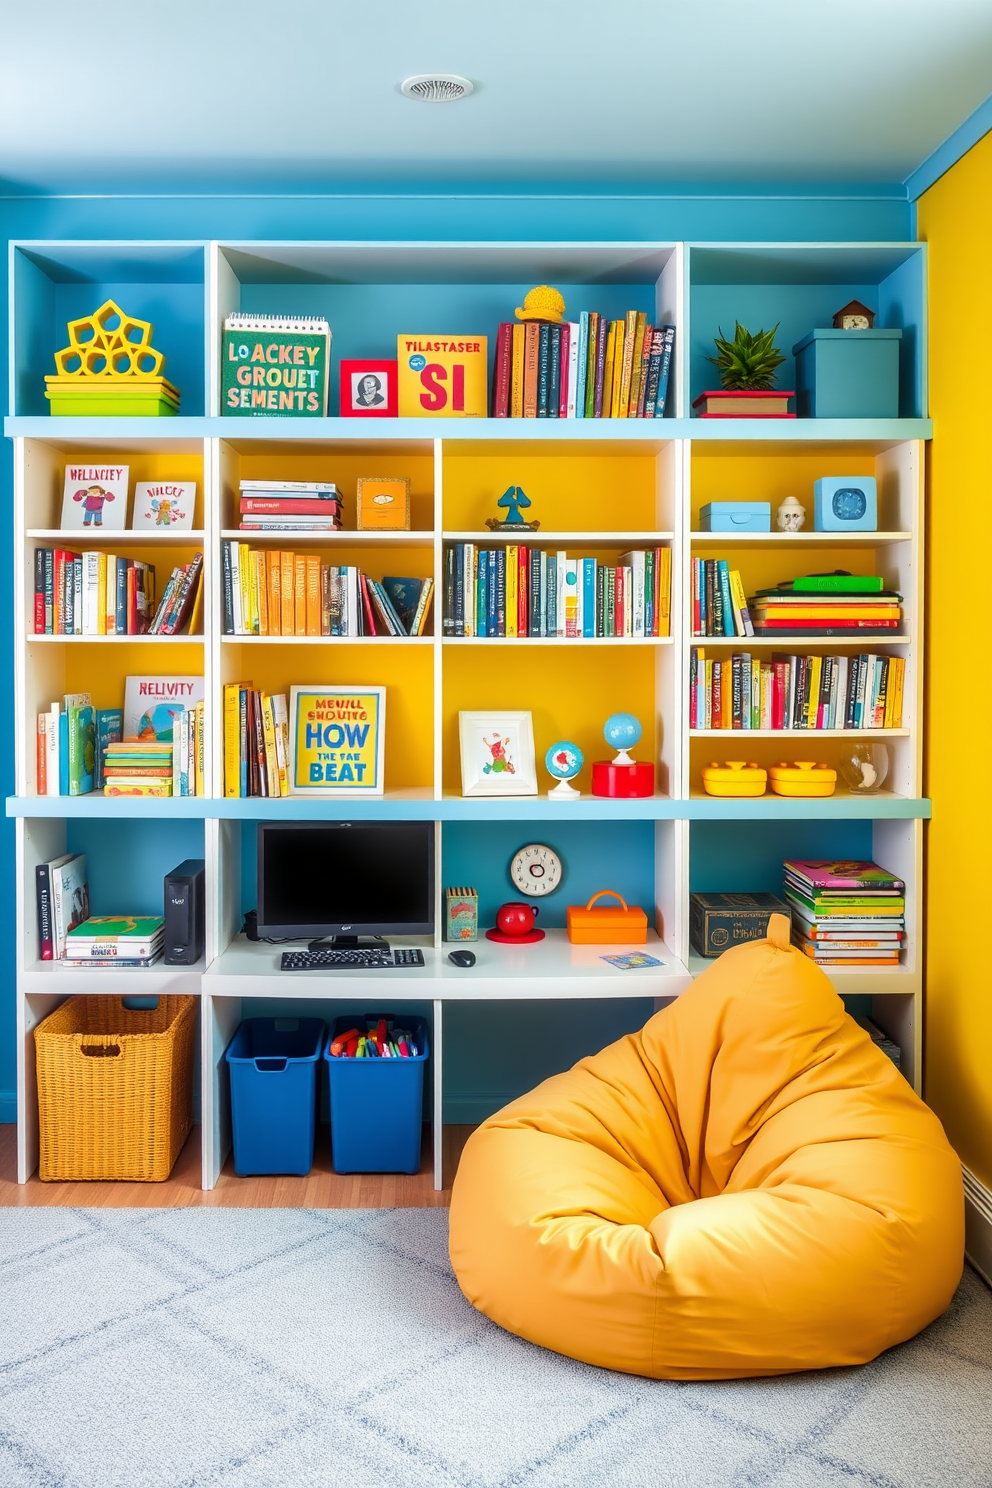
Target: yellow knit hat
{"x":542,"y":303}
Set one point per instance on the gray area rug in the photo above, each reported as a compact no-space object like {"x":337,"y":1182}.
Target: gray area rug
{"x":314,"y":1348}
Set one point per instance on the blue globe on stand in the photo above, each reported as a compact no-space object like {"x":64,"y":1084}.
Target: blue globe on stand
{"x":622,"y":731}
{"x":563,"y":761}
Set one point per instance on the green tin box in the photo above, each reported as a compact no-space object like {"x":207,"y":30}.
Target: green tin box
{"x":718,"y":922}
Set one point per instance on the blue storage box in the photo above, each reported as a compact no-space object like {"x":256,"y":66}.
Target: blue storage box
{"x":845,"y":503}
{"x":273,"y":1064}
{"x":377,"y":1105}
{"x":847,"y":374}
{"x":736,"y":516}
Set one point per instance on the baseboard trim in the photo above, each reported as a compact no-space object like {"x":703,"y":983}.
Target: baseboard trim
{"x":8,"y":1106}
{"x":978,"y":1225}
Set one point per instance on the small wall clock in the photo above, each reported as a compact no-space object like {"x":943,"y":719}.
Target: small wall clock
{"x":536,"y":870}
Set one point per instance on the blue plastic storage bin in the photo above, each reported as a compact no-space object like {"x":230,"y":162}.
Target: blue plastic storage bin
{"x":273,"y":1064}
{"x":847,"y":374}
{"x":736,"y":516}
{"x":377,"y":1105}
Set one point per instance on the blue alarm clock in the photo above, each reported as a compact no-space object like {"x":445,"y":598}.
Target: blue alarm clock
{"x":845,"y":503}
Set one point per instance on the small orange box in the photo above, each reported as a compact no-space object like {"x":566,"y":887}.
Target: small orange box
{"x":610,"y":925}
{"x":383,"y":504}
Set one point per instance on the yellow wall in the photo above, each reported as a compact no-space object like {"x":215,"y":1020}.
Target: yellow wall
{"x":955,"y":217}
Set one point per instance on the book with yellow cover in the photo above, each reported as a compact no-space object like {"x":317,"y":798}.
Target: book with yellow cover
{"x":512,"y":598}
{"x":627,"y":363}
{"x":614,"y":329}
{"x":637,"y":367}
{"x":442,"y":376}
{"x":232,"y":737}
{"x":269,"y":742}
{"x":517,"y":371}
{"x":286,"y":581}
{"x":313,"y":595}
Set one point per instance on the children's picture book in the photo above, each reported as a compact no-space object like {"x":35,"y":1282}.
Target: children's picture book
{"x":163,"y":506}
{"x":81,"y":742}
{"x":442,"y":376}
{"x":110,"y":937}
{"x":109,"y":730}
{"x":275,"y":365}
{"x":94,"y":496}
{"x":833,"y":874}
{"x":152,"y":705}
{"x":337,"y":740}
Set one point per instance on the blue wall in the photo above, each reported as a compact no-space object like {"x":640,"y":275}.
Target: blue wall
{"x":596,"y":213}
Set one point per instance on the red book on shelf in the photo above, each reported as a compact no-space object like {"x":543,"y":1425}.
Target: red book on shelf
{"x":501,"y":370}
{"x":367,"y":606}
{"x":523,"y":589}
{"x":566,"y":342}
{"x":291,"y":506}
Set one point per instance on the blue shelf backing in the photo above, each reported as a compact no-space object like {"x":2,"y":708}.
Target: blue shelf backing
{"x":461,"y":809}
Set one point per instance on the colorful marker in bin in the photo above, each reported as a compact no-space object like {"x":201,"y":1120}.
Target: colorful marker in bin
{"x":353,"y":1044}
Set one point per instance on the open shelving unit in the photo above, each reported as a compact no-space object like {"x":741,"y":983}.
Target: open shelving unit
{"x":598,"y":486}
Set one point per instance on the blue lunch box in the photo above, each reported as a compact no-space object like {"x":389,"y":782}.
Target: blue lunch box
{"x":736,"y":516}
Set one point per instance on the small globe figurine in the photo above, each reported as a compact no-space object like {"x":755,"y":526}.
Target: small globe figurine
{"x":563,"y":761}
{"x":622,"y":731}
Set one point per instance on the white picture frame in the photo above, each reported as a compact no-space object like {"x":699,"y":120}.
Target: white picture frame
{"x":497,"y":753}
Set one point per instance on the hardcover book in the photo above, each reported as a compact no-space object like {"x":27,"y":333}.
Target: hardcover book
{"x":163,"y":506}
{"x":152,"y":705}
{"x":442,"y":376}
{"x":337,"y":740}
{"x":275,"y":366}
{"x":94,"y":496}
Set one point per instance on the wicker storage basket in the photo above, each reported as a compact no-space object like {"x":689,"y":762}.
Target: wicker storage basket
{"x":115,"y":1088}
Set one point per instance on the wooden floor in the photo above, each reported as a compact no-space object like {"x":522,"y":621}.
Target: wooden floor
{"x":321,"y":1189}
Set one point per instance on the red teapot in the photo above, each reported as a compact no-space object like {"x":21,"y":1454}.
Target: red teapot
{"x":515,"y":923}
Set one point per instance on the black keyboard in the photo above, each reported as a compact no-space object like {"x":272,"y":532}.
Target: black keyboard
{"x":372,"y":958}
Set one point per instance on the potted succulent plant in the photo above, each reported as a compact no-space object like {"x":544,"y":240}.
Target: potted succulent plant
{"x":747,"y":367}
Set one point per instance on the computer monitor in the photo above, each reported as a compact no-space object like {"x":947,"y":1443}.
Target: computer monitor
{"x":345,"y":879}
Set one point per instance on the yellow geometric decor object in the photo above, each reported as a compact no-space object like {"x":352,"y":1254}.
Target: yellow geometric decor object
{"x":110,"y":344}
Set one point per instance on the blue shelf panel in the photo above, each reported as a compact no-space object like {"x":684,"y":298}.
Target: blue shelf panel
{"x":458,"y":808}
{"x":650,"y":432}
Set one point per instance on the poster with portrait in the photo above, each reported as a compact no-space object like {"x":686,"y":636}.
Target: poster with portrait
{"x":368,"y":388}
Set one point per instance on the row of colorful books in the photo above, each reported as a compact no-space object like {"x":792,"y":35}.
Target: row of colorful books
{"x":109,"y":594}
{"x":846,"y":913}
{"x":270,"y":593}
{"x":589,"y":368}
{"x":256,"y":742}
{"x":154,"y":745}
{"x":290,"y":506}
{"x":795,"y":692}
{"x":521,"y":591}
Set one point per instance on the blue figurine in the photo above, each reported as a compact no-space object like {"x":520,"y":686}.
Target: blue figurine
{"x":512,"y":500}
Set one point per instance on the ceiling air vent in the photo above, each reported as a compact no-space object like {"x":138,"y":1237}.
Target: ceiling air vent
{"x":436,"y":87}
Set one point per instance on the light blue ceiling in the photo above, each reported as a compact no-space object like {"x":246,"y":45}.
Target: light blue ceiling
{"x":114,"y":94}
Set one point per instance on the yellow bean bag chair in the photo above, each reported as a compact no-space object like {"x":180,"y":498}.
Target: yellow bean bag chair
{"x":745,"y":1187}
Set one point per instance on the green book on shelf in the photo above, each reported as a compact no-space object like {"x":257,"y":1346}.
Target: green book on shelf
{"x":105,"y":928}
{"x":838,"y":583}
{"x":275,"y":365}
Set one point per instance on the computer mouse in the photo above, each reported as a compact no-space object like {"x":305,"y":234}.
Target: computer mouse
{"x":461,"y":958}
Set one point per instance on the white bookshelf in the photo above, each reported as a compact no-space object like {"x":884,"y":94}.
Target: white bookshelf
{"x":661,"y":459}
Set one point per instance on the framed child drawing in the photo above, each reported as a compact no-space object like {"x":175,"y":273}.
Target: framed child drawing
{"x":337,"y":740}
{"x":497,"y":754}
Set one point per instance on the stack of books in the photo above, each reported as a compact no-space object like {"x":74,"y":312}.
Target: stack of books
{"x":256,"y":742}
{"x":718,"y":604}
{"x":179,"y":609}
{"x":589,"y":368}
{"x":127,"y":942}
{"x":134,"y":768}
{"x":290,"y":506}
{"x":814,"y":606}
{"x":846,"y":913}
{"x":269,"y":593}
{"x":91,"y":593}
{"x":795,"y":692}
{"x":520,"y":591}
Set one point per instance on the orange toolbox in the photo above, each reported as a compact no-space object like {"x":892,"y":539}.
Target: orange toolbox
{"x":610,"y":924}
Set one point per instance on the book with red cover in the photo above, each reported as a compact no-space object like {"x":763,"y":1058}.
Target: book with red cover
{"x":296,"y":506}
{"x":502,"y":364}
